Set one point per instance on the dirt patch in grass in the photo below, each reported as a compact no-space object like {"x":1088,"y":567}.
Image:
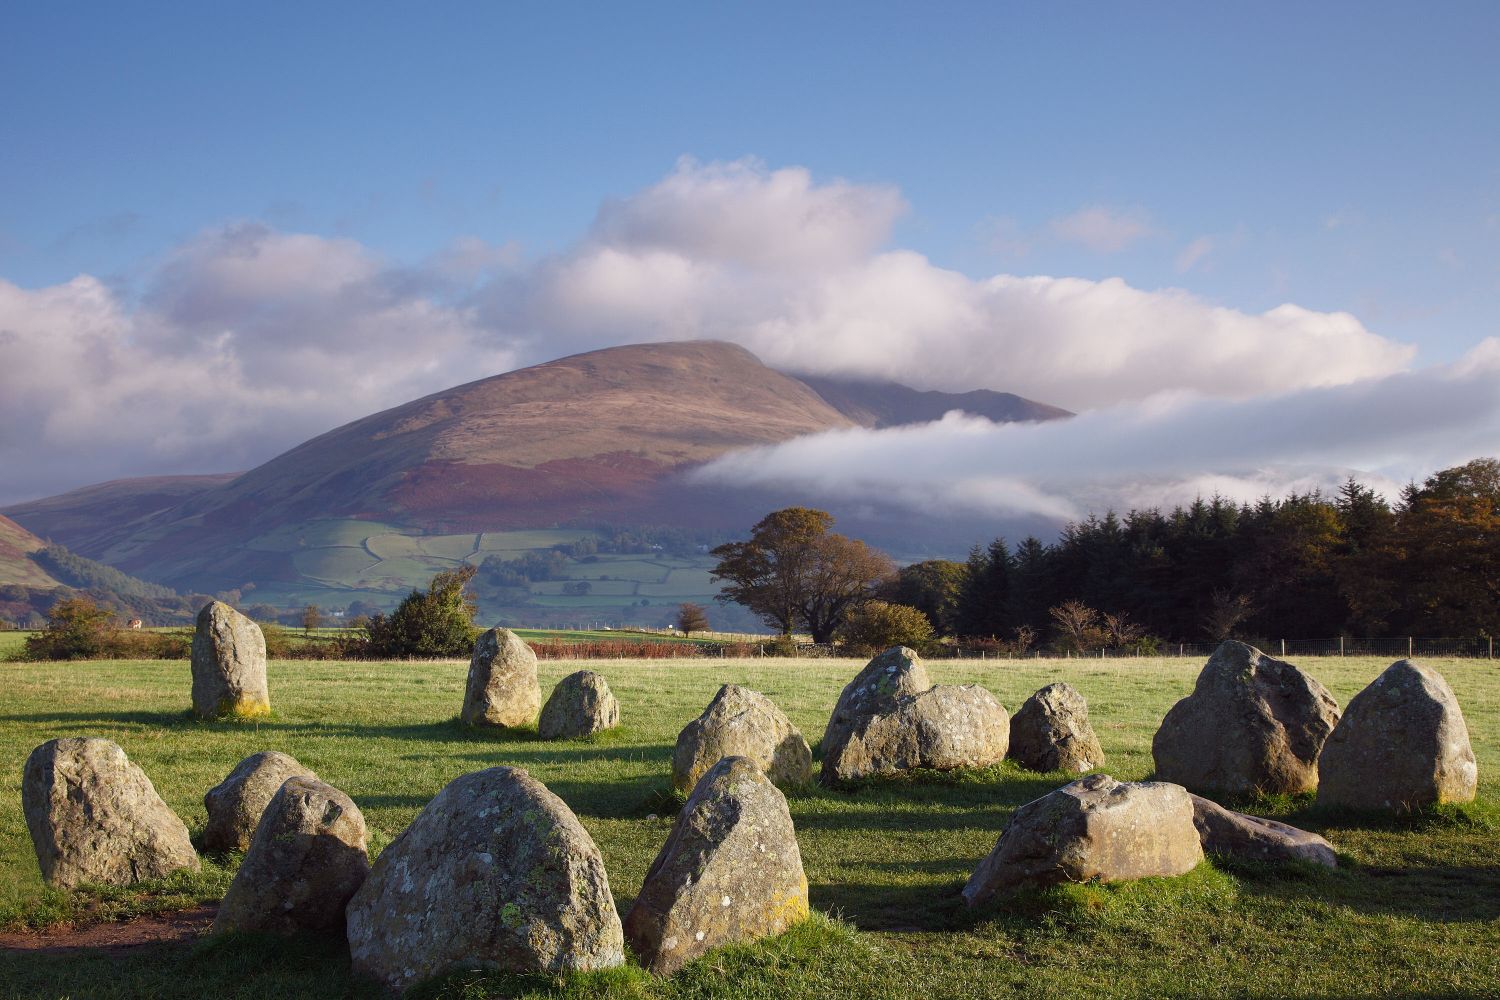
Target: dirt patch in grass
{"x":115,"y":937}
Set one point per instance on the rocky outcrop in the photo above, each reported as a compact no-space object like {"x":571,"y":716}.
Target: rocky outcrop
{"x":502,"y":690}
{"x":895,"y":674}
{"x":581,"y":705}
{"x":1223,"y":831}
{"x":1051,"y":732}
{"x":236,"y":803}
{"x":1095,"y":829}
{"x":1252,"y":726}
{"x":495,"y":873}
{"x":229,"y":665}
{"x":95,"y":817}
{"x":729,"y":871}
{"x":741,"y":723}
{"x":942,"y":728}
{"x":305,"y":862}
{"x":1401,"y":745}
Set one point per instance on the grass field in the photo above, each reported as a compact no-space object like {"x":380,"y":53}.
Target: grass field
{"x":1414,"y":911}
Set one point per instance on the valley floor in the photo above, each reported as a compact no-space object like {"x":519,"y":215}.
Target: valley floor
{"x":1415,"y":910}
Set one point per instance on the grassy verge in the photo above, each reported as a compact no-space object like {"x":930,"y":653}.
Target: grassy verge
{"x":1416,"y":911}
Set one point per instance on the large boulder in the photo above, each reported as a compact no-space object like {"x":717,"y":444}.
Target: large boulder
{"x":891,"y":676}
{"x":95,"y":817}
{"x":306,"y":861}
{"x":1401,"y":745}
{"x":495,"y":873}
{"x":229,"y":665}
{"x":741,"y":723}
{"x":1252,"y":726}
{"x":1051,"y":732}
{"x":1097,"y":828}
{"x":581,"y":705}
{"x":503,"y":690}
{"x":942,"y":728}
{"x":729,"y":871}
{"x":235,"y":804}
{"x":1223,"y":831}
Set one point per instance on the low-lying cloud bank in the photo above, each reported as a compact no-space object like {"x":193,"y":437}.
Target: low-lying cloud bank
{"x":248,"y":340}
{"x":1160,"y":451}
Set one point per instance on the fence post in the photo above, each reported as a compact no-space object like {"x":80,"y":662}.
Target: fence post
{"x":1179,"y":650}
{"x":1283,"y":649}
{"x":1408,"y":647}
{"x":1492,"y":647}
{"x":1341,"y":645}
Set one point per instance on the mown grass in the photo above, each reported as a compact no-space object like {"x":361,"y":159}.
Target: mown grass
{"x":1415,"y":911}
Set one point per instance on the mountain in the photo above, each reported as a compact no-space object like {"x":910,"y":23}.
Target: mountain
{"x":490,"y":468}
{"x":890,"y":404}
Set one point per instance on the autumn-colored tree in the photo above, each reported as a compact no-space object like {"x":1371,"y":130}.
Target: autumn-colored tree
{"x":439,"y":622}
{"x":877,"y":625}
{"x":1226,"y":612}
{"x":691,"y":618}
{"x":1077,"y":626}
{"x":312,"y":617}
{"x":1448,"y":551}
{"x":794,"y":573}
{"x":932,"y":587}
{"x":77,"y":629}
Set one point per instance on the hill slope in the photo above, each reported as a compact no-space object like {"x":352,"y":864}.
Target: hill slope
{"x":16,"y":565}
{"x":596,"y":438}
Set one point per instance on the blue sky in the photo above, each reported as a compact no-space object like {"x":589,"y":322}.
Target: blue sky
{"x":300,"y":214}
{"x":1342,"y":156}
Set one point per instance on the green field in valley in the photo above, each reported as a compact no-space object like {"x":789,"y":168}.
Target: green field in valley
{"x":342,"y":561}
{"x":1413,"y":911}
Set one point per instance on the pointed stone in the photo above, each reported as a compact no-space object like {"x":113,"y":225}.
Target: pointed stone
{"x":95,"y":817}
{"x":1402,"y":745}
{"x":235,"y":804}
{"x":730,"y":871}
{"x":306,"y":861}
{"x":1252,"y":726}
{"x":495,"y":873}
{"x":1051,"y":732}
{"x":891,"y":676}
{"x":741,"y":723}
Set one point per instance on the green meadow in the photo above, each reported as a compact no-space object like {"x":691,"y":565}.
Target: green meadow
{"x":1413,"y":911}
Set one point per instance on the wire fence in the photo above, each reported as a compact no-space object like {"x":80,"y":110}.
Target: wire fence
{"x":1476,"y":647}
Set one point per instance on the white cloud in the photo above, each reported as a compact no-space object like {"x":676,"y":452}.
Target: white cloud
{"x":1102,"y":229}
{"x":249,"y":339}
{"x":1161,"y":450}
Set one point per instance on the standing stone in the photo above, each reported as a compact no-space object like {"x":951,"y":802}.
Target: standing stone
{"x":741,"y":723}
{"x":1402,"y":745}
{"x":1223,"y":831}
{"x":307,"y":859}
{"x":1051,"y":732}
{"x":503,"y":690}
{"x":495,"y":873}
{"x":581,"y":705}
{"x":229,"y":665}
{"x":891,"y":676}
{"x":236,"y":803}
{"x":729,"y":871}
{"x":943,"y":728}
{"x":1252,"y":726}
{"x":1097,"y":828}
{"x":95,"y":817}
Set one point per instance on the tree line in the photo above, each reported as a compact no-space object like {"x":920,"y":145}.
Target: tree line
{"x":1308,"y":565}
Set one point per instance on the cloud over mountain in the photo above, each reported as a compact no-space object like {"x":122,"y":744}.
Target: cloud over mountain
{"x":247,"y":339}
{"x":1162,"y":450}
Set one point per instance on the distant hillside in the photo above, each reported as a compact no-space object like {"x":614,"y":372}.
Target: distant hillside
{"x":582,"y":445}
{"x":17,"y":568}
{"x":890,"y":404}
